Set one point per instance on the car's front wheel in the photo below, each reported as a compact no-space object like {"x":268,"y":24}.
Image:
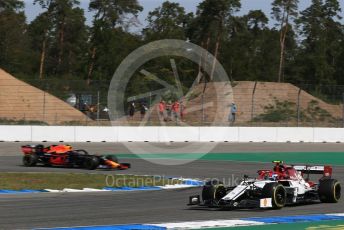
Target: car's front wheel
{"x":277,"y":193}
{"x":30,"y":160}
{"x":213,"y":191}
{"x":91,"y":163}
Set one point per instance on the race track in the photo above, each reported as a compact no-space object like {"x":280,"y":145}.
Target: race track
{"x":70,"y":209}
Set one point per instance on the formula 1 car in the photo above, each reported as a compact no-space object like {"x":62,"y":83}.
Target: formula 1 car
{"x":284,"y":185}
{"x":64,"y":155}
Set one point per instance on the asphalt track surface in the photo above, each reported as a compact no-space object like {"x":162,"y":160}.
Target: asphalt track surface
{"x":29,"y":211}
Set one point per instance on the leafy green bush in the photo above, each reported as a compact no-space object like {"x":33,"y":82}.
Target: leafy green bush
{"x":280,"y":111}
{"x":316,"y":113}
{"x":287,"y":111}
{"x":4,"y":121}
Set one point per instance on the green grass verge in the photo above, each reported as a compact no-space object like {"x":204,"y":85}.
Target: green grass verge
{"x":18,"y":181}
{"x":332,"y":158}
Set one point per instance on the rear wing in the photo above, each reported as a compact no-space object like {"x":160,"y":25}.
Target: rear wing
{"x":30,"y":149}
{"x":326,"y":171}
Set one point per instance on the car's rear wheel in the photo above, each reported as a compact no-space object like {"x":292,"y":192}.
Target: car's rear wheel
{"x":30,"y":160}
{"x":277,"y":193}
{"x":91,"y":163}
{"x":213,"y":191}
{"x":329,"y":191}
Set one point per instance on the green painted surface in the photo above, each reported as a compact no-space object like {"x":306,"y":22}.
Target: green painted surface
{"x":321,"y":225}
{"x":332,"y":158}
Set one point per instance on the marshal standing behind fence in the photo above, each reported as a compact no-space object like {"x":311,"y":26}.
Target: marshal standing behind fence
{"x":232,"y":115}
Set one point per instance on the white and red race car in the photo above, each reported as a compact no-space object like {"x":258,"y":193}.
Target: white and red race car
{"x":284,"y":185}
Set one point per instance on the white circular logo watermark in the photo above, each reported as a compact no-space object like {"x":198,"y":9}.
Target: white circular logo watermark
{"x":221,"y":96}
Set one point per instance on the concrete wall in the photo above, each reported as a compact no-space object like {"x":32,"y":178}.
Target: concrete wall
{"x":167,"y":134}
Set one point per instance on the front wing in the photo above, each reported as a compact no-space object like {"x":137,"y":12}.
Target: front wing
{"x":242,"y":204}
{"x":119,"y":166}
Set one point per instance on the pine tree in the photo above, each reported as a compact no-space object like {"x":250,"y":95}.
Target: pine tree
{"x":322,"y":44}
{"x":109,"y":14}
{"x":167,"y":21}
{"x":283,"y":12}
{"x":59,"y":30}
{"x":14,"y":48}
{"x":208,"y":27}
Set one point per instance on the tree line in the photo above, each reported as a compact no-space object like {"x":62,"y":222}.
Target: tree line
{"x":303,"y":47}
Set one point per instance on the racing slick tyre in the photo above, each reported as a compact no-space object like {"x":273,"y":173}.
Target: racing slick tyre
{"x":213,"y":191}
{"x":329,"y":190}
{"x":30,"y":160}
{"x":91,"y":163}
{"x":112,"y":158}
{"x":277,"y":193}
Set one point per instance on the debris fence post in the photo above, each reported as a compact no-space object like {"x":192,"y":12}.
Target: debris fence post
{"x":43,"y":105}
{"x":98,"y":106}
{"x":298,"y":107}
{"x":149,"y":111}
{"x":343,"y":112}
{"x":252,"y":108}
{"x":202,"y":121}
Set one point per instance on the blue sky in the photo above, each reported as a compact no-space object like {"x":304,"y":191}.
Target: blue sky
{"x":190,"y":6}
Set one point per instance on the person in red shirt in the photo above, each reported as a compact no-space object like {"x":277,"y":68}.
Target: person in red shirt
{"x":175,"y":110}
{"x":162,"y":108}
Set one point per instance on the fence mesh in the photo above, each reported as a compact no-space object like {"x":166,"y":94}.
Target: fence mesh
{"x":54,"y":102}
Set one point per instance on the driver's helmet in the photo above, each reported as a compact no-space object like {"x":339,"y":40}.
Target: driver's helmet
{"x":273,"y":177}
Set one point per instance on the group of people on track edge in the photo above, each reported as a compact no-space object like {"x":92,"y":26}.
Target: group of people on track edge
{"x":143,"y":108}
{"x":173,"y":111}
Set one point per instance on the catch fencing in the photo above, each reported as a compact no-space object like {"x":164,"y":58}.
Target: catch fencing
{"x":81,"y":103}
